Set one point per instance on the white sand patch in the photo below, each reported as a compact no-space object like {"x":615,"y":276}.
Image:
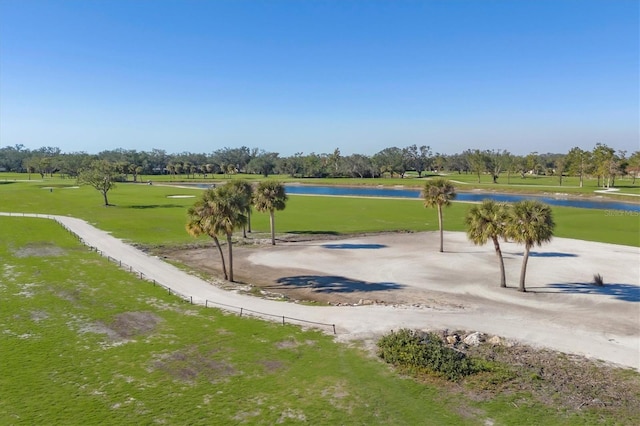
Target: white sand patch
{"x":181,"y":196}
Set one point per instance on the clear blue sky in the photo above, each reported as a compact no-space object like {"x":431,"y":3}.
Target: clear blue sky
{"x":310,"y":76}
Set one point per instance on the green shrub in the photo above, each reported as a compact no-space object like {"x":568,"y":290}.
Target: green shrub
{"x":415,"y":350}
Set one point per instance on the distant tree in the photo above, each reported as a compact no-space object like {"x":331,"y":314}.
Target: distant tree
{"x":101,"y":175}
{"x":437,"y":193}
{"x":530,"y":223}
{"x":488,"y":221}
{"x":532,"y":163}
{"x":30,"y":164}
{"x":264,"y":163}
{"x":577,"y":163}
{"x":391,"y":160}
{"x":559,"y":169}
{"x":633,"y":166}
{"x":359,"y":166}
{"x":477,"y":161}
{"x":269,"y":197}
{"x":496,"y":162}
{"x":418,"y":158}
{"x":605,"y":163}
{"x":334,"y":163}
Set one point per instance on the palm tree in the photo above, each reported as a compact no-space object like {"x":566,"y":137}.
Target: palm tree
{"x":245,"y":190}
{"x":220,"y":211}
{"x":438,"y":192}
{"x":230,"y":208}
{"x":202,"y":220}
{"x":487,"y":221}
{"x":531,"y":223}
{"x":270,"y":196}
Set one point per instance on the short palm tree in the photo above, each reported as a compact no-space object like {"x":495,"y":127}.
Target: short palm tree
{"x":438,"y":192}
{"x":270,"y":196}
{"x":487,"y":221}
{"x":530,"y":223}
{"x":220,"y":211}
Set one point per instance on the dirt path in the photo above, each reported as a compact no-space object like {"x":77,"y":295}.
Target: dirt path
{"x":455,"y":290}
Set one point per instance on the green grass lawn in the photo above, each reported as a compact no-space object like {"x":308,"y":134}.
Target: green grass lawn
{"x":144,"y":214}
{"x":84,"y":342}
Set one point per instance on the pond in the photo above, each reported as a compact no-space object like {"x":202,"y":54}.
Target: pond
{"x":401,"y":192}
{"x":462,"y":196}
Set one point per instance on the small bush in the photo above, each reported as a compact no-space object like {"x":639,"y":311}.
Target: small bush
{"x":411,"y":349}
{"x":598,"y":280}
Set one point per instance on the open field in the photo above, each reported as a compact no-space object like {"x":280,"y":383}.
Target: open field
{"x":141,"y":356}
{"x":96,"y":345}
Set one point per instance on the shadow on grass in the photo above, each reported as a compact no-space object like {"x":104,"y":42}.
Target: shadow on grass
{"x":156,"y":206}
{"x":313,"y":232}
{"x":333,"y":284}
{"x":354,"y":246}
{"x":624,"y":292}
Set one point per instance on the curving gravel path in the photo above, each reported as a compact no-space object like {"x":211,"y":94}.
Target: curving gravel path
{"x":529,"y":318}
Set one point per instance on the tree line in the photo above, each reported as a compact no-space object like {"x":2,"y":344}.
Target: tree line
{"x":603,"y":162}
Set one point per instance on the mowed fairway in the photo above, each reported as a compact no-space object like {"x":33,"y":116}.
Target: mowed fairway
{"x":147,"y":215}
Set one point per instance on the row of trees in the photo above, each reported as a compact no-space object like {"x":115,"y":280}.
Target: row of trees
{"x":527,"y":222}
{"x":602,"y":162}
{"x":226,"y":208}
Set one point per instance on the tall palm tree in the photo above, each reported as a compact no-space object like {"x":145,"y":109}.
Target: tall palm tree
{"x":220,"y":211}
{"x":487,"y":221}
{"x":530,"y":223}
{"x":270,"y":196}
{"x":230,"y":208}
{"x":438,"y":192}
{"x":245,"y":190}
{"x":203,"y":220}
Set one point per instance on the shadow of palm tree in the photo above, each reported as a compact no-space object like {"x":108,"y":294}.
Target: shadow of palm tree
{"x":547,"y":254}
{"x":333,"y":284}
{"x":354,"y":246}
{"x":625,"y":292}
{"x":313,"y":232}
{"x":156,"y":206}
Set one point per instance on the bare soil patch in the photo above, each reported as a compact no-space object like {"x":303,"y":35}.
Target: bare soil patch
{"x":191,"y":364}
{"x":42,"y":249}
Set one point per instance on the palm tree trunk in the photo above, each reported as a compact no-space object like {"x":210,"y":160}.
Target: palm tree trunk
{"x":523,"y":271}
{"x":249,"y":220}
{"x":440,"y":226}
{"x":230,"y":248}
{"x":503,"y":278}
{"x":224,"y":267}
{"x":273,"y":228}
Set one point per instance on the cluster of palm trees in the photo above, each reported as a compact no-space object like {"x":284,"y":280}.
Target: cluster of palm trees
{"x":528,"y":222}
{"x":223,"y":209}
